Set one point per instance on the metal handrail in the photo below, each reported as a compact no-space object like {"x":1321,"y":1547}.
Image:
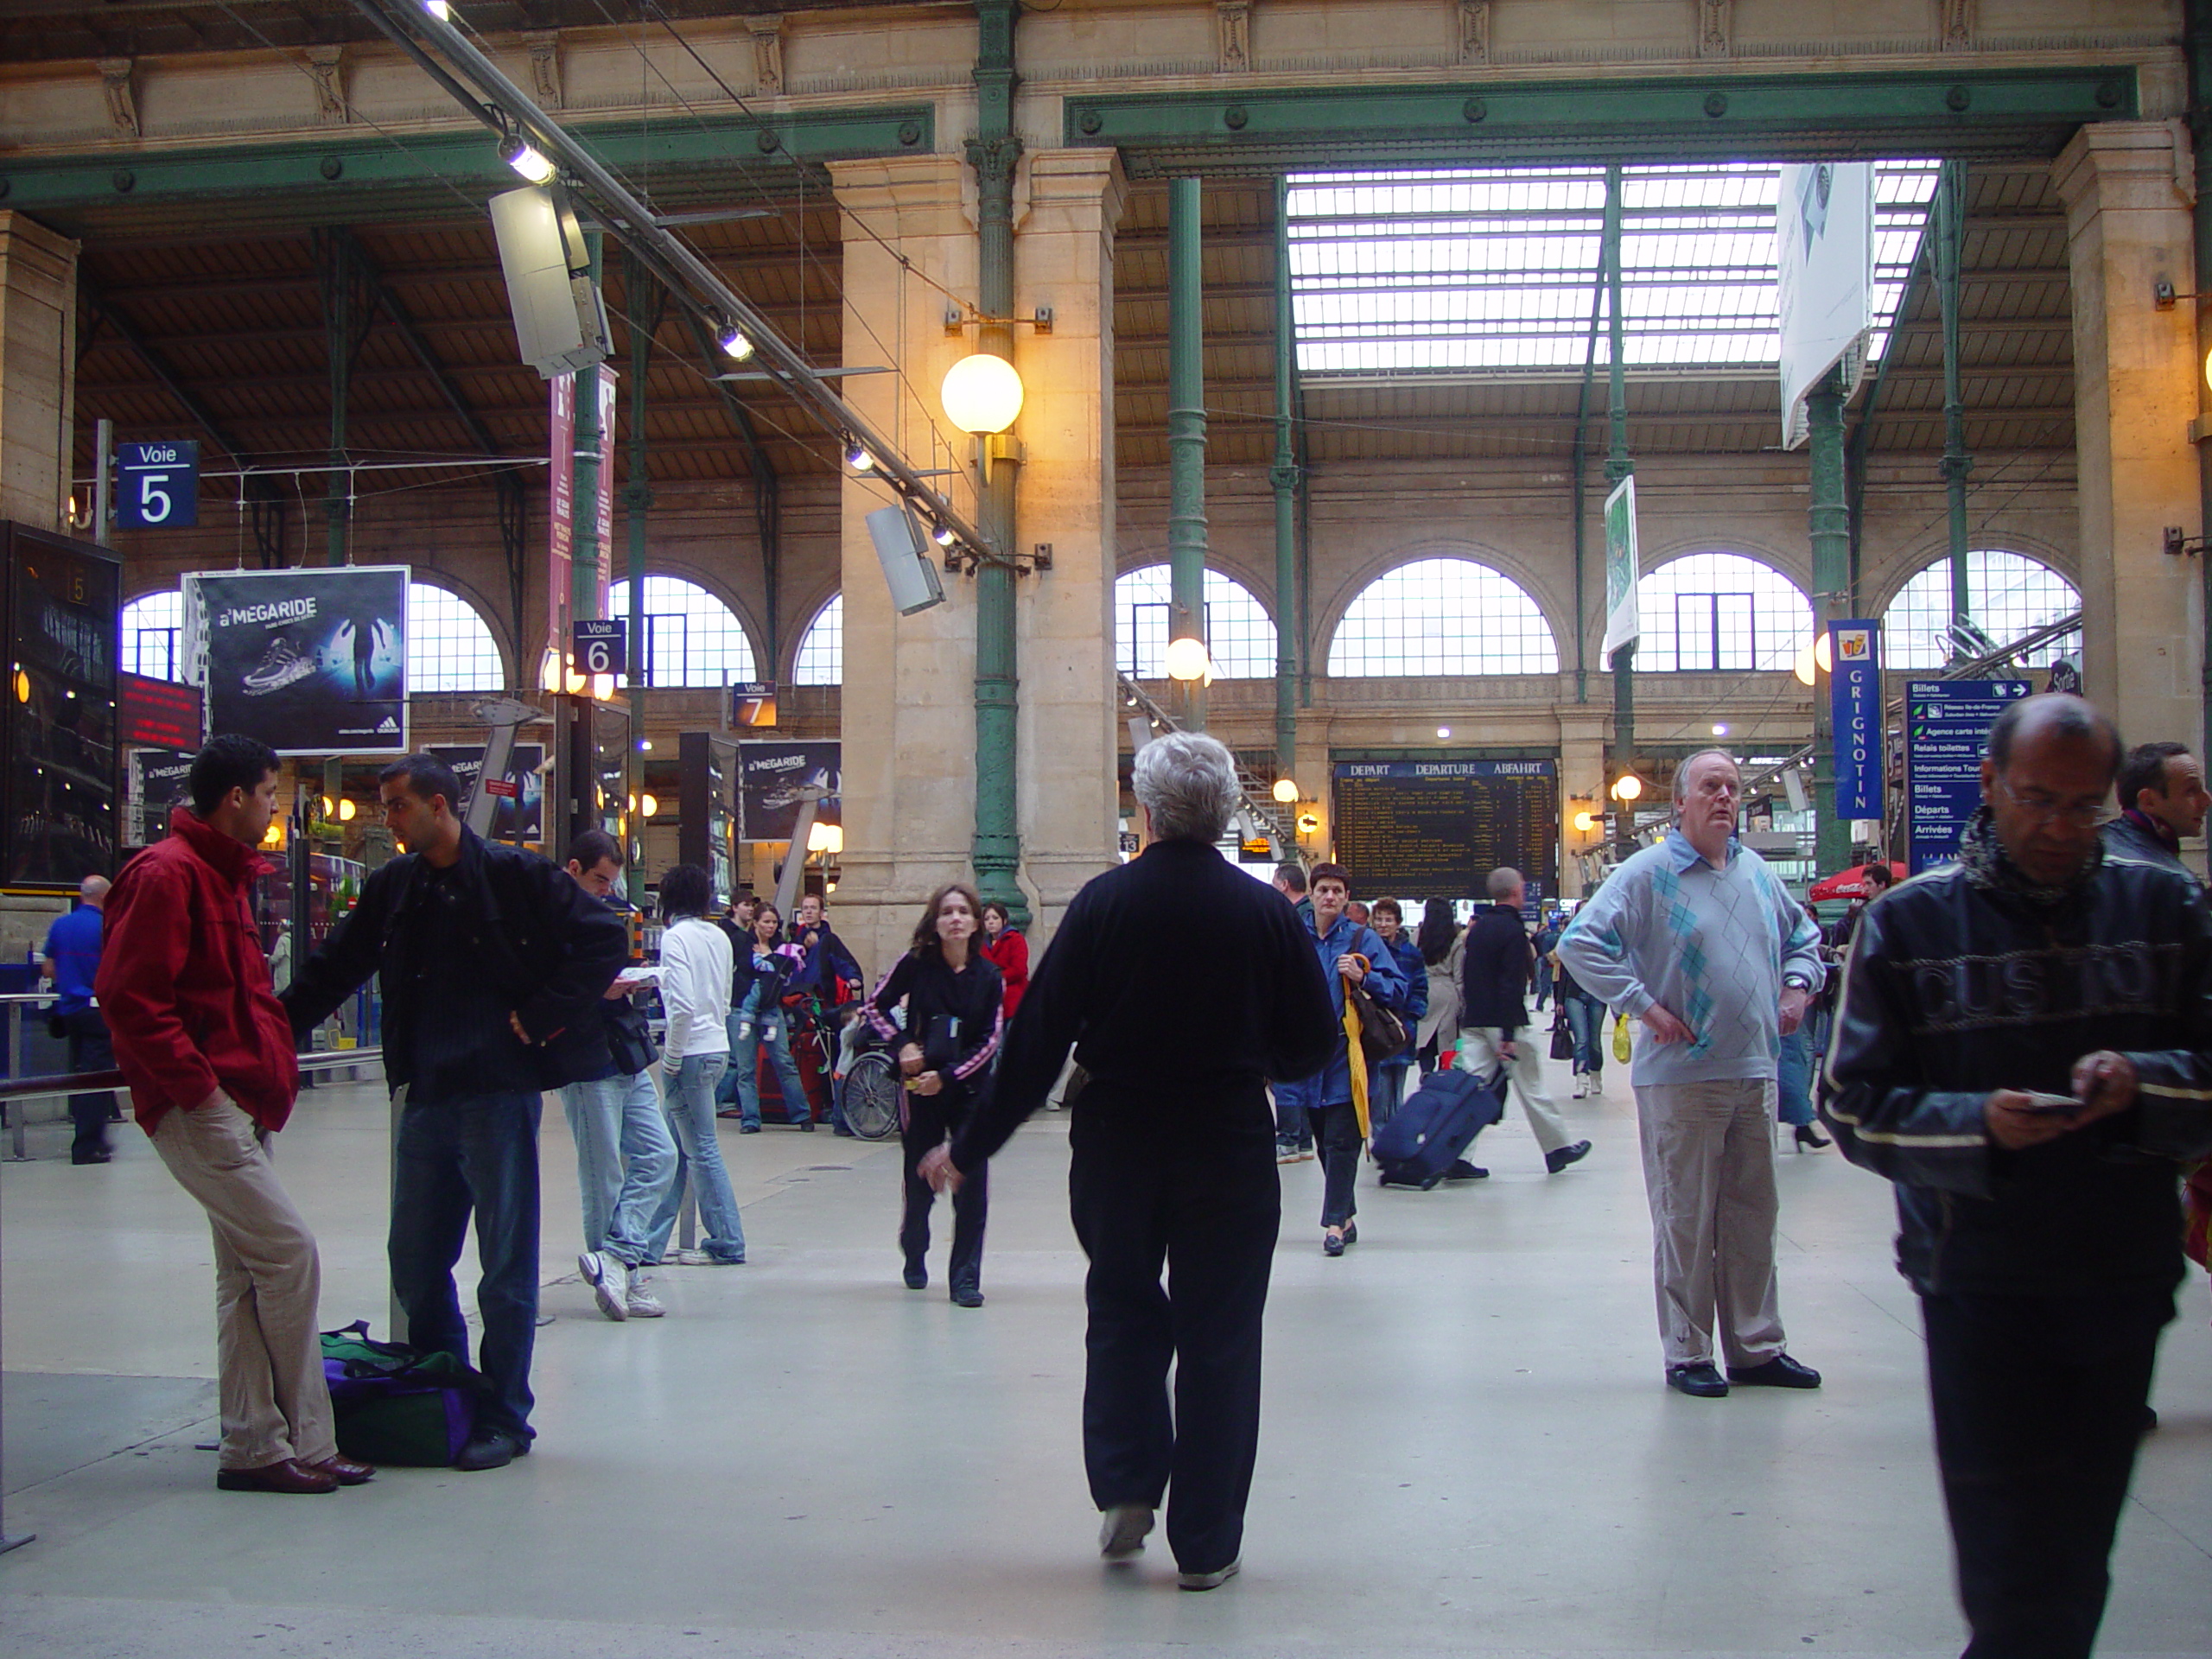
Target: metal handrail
{"x":76,"y":1083}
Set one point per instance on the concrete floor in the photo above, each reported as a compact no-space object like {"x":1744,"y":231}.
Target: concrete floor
{"x":1467,"y":1448}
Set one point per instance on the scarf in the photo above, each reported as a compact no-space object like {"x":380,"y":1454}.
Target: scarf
{"x":2150,"y":827}
{"x":1990,"y":868}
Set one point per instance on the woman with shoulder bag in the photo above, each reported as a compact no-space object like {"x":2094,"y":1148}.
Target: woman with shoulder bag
{"x":1389,"y":921}
{"x":759,"y":1024}
{"x":1443,"y":946}
{"x":695,"y":978}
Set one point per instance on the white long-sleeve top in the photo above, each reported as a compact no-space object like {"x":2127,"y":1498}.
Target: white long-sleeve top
{"x":694,"y":979}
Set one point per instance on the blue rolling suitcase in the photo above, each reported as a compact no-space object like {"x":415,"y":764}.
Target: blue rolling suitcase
{"x":1436,"y":1124}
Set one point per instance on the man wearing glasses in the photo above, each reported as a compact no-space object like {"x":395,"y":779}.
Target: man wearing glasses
{"x":2023,"y":1046}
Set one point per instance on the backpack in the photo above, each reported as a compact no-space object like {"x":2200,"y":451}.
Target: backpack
{"x":395,"y":1404}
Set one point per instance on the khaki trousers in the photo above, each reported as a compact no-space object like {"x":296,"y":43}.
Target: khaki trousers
{"x":268,"y":1284}
{"x":1708,"y":1171}
{"x":1479,"y":1056}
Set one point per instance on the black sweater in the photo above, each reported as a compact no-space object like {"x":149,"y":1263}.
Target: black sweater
{"x":1498,"y":957}
{"x":1160,"y":1026}
{"x":956,"y":1018}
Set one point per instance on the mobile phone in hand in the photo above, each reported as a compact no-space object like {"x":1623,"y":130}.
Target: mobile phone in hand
{"x":2056,"y":1105}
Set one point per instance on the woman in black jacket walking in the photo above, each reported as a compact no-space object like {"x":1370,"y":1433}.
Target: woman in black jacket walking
{"x":953,"y":996}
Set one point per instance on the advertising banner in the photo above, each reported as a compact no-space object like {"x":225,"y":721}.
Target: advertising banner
{"x":561,"y":506}
{"x":1620,"y":566}
{"x":525,"y":779}
{"x":159,"y":780}
{"x":771,"y":774}
{"x":310,"y":662}
{"x":1855,"y":689}
{"x":603,"y":516}
{"x":1946,"y":731}
{"x":1824,"y":245}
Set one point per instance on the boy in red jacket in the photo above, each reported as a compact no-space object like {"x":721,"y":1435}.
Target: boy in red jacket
{"x":207,"y":1052}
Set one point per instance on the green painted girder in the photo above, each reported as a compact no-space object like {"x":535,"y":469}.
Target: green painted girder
{"x":344,"y":167}
{"x":1981,"y":112}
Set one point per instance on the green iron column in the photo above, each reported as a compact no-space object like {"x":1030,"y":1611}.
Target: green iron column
{"x":638,"y":499}
{"x":583,"y":569}
{"x":1950,"y":240}
{"x":1283,"y":475}
{"x":1186,"y":439}
{"x":1618,"y":465}
{"x":1831,"y":536}
{"x":993,"y":152}
{"x":338,"y":320}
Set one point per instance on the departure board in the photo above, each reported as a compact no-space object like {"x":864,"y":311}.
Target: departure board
{"x":1437,"y":828}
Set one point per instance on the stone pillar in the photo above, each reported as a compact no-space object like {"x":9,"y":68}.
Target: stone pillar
{"x":2135,"y":368}
{"x":38,"y":371}
{"x":909,"y":721}
{"x":1581,"y":777}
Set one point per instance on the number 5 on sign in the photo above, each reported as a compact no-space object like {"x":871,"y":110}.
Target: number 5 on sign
{"x":601,"y":647}
{"x":157,"y":486}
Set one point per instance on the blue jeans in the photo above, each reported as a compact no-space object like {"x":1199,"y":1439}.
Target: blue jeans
{"x":1387,"y":1092}
{"x":625,"y":1160}
{"x":699,"y":1153}
{"x":1585,"y":1019}
{"x":1793,"y":1088}
{"x":454,"y":1158}
{"x":752,"y":1033}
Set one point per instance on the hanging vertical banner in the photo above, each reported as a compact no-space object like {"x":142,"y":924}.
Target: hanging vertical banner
{"x":1620,"y":566}
{"x":604,"y":517}
{"x":1855,"y":686}
{"x":309,"y":661}
{"x":561,"y":509}
{"x":1824,"y":250}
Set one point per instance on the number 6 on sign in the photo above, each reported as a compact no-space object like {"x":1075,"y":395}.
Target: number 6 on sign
{"x":601,"y":647}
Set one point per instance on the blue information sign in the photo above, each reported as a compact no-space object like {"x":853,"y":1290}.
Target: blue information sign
{"x":157,"y":484}
{"x":1855,"y":683}
{"x":601,"y":647}
{"x":1946,"y":733}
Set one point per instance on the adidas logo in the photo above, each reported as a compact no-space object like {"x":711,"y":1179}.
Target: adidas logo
{"x":388,"y":725}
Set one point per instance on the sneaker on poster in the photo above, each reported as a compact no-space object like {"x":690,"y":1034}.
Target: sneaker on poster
{"x":282,"y":665}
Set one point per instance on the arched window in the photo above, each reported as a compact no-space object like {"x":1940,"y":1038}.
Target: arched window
{"x":1238,"y":631}
{"x":821,"y":659}
{"x":448,"y":647}
{"x":1443,"y":616}
{"x":2007,"y":595}
{"x":1719,"y":611}
{"x":691,"y":637}
{"x":151,"y":626}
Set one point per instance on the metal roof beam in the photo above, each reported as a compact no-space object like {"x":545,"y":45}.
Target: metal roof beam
{"x":187,"y":399}
{"x":471,"y":421}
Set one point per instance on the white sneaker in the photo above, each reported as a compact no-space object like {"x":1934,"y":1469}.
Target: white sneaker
{"x":643,"y":1303}
{"x":1122,"y":1535}
{"x":689,"y":1259}
{"x":1208,"y":1580}
{"x":1597,"y":1082}
{"x":1581,"y":1086}
{"x":609,"y":1279}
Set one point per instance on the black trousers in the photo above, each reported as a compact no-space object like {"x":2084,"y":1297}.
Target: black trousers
{"x":1336,"y":1133}
{"x":2038,"y":1404}
{"x":89,"y":1051}
{"x":1205,"y":1205}
{"x":929,"y":1119}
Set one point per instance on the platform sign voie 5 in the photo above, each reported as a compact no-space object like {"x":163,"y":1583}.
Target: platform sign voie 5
{"x":601,"y":647}
{"x":157,"y":484}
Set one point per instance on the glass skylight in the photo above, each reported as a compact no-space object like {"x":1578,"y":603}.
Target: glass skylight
{"x":1492,"y":270}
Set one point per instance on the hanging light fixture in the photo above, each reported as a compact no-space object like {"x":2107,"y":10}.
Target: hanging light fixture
{"x":859,"y":458}
{"x":1188,"y":659}
{"x":517,"y":152}
{"x":981,"y":394}
{"x":1628,"y":787}
{"x":1286,"y":790}
{"x":735,"y":346}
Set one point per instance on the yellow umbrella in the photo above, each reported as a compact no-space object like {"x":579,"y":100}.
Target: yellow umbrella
{"x":1357,"y":1055}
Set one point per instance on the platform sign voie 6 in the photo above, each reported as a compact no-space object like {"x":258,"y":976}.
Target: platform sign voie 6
{"x":601,"y":647}
{"x":157,"y":484}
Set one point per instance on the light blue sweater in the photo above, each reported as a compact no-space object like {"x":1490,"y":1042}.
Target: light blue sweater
{"x":1709,"y":946}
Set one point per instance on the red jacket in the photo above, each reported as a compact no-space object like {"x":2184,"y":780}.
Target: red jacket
{"x":1010,"y":956}
{"x":184,"y":985}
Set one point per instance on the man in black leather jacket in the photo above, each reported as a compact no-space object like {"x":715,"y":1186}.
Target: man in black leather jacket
{"x":2024,"y":1045}
{"x":489,"y":961}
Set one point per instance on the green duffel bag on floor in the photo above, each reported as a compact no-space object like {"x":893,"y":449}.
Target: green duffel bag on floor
{"x":398,"y":1405}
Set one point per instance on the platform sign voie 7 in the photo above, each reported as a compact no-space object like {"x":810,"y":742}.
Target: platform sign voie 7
{"x":157,"y":484}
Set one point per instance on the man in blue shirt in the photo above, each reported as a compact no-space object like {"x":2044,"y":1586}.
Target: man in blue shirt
{"x":71,"y":958}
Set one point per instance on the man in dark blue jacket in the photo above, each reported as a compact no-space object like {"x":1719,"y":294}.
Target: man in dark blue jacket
{"x":1494,"y":1030}
{"x":489,"y":960}
{"x":2023,"y":1046}
{"x":1346,"y":951}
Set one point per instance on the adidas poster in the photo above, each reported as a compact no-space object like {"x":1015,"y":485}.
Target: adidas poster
{"x":310,"y":662}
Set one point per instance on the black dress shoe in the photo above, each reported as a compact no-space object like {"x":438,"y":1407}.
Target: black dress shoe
{"x":1701,"y":1381}
{"x":285,"y":1475}
{"x":967,"y":1296}
{"x":1351,"y":1232}
{"x":99,"y":1155}
{"x":1560,"y":1158}
{"x":1811,"y":1139}
{"x":1333,"y":1244}
{"x":1461,"y":1170}
{"x":346,"y":1472}
{"x":806,"y":1126}
{"x":492,"y":1448}
{"x":916,"y":1275}
{"x":1780,"y":1372}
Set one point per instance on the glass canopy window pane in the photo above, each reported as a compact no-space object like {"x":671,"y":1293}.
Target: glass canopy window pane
{"x":691,"y":638}
{"x":151,"y":624}
{"x":1713,"y":611}
{"x":1493,"y":269}
{"x":2007,"y":595}
{"x":821,"y":659}
{"x":448,"y":647}
{"x":1239,"y":632}
{"x":1442,"y":616}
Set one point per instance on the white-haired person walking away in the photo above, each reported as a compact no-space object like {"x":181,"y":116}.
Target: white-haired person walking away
{"x":1173,"y":1164}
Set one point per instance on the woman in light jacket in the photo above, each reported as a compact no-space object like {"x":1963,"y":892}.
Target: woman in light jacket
{"x":1443,"y":945}
{"x":695,"y":973}
{"x":758,"y":1024}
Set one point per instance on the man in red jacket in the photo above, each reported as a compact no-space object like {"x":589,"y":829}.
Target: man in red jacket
{"x":207,"y":1052}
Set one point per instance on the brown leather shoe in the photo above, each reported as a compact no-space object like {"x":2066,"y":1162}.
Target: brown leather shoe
{"x":344,"y":1469}
{"x":285,"y":1475}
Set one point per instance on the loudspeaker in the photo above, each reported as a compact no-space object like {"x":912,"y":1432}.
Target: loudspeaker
{"x":560,"y":317}
{"x":910,"y":576}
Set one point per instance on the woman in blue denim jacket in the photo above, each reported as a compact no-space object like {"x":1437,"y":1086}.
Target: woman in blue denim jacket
{"x":758,"y":1024}
{"x":1388,"y":920}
